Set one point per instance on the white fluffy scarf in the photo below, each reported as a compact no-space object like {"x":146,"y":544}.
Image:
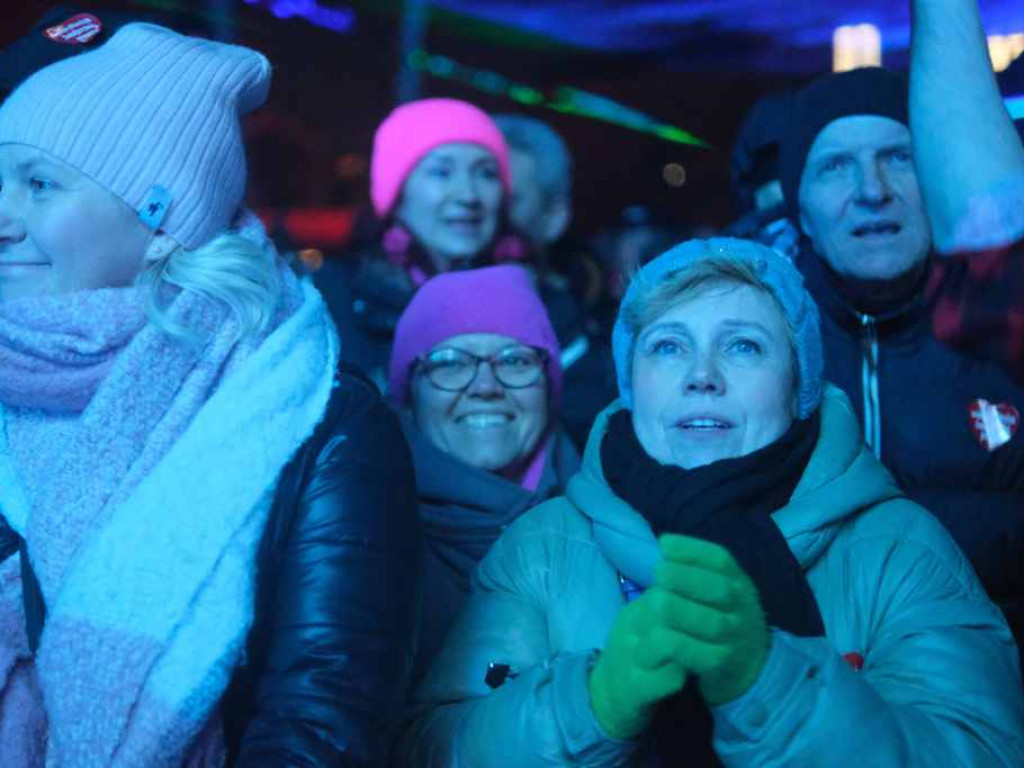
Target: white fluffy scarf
{"x":148,"y":616}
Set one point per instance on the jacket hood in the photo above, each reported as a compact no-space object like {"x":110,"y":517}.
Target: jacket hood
{"x":842,"y":478}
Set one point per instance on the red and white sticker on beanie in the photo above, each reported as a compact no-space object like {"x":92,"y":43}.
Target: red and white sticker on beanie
{"x":993,"y":424}
{"x":78,"y":30}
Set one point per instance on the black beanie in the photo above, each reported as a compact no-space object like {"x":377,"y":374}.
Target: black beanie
{"x":868,"y":91}
{"x":63,"y":32}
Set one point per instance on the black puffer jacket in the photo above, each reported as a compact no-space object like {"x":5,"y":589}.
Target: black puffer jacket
{"x":337,"y":598}
{"x":912,"y":394}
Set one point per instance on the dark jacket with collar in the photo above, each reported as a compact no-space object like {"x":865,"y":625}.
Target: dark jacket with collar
{"x":912,"y":394}
{"x":463,"y":511}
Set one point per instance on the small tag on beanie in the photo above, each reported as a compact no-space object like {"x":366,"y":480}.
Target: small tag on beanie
{"x":154,"y":208}
{"x":78,"y":30}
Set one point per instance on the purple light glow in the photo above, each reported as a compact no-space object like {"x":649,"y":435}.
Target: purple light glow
{"x":334,"y":19}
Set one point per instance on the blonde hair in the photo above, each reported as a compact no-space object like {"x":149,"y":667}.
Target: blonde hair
{"x":231,"y":269}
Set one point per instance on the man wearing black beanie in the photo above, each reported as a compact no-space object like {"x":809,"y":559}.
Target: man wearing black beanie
{"x":870,"y":199}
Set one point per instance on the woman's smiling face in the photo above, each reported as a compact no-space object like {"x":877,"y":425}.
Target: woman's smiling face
{"x":60,"y":232}
{"x":451,"y":202}
{"x":487,"y":424}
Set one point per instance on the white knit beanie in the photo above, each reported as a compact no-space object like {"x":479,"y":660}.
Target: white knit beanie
{"x":153,"y":116}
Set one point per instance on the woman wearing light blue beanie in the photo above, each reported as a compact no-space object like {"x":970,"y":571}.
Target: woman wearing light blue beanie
{"x":206,"y":528}
{"x":732,"y":578}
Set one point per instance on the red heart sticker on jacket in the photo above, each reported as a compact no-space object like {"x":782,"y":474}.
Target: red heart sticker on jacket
{"x":993,"y":424}
{"x":855,"y":660}
{"x":78,"y":30}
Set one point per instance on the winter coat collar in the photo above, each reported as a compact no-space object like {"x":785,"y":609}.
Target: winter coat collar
{"x":842,"y":478}
{"x":906,"y":316}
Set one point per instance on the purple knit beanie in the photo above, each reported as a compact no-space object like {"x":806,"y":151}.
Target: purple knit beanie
{"x":414,"y":129}
{"x":499,"y":300}
{"x":152,"y":116}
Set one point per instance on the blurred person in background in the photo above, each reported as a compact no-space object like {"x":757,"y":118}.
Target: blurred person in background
{"x":64,"y":31}
{"x":637,"y":238}
{"x":476,"y":375}
{"x":541,"y":207}
{"x":440,"y":186}
{"x":758,"y":201}
{"x":541,"y":210}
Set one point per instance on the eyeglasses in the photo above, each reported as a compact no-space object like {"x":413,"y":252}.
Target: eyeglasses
{"x":453,"y":369}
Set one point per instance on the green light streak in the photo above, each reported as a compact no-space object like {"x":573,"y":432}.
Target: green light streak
{"x":564,"y":99}
{"x":525,"y":95}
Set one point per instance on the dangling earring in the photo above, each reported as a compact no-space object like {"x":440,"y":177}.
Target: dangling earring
{"x":396,"y":242}
{"x":509,"y":248}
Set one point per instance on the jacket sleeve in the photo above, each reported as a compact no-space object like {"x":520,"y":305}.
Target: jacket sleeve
{"x":540,"y":714}
{"x":940,"y":684}
{"x":332,"y":670}
{"x":975,"y":301}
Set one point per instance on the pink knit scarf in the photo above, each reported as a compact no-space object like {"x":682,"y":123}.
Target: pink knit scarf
{"x":137,"y":391}
{"x":55,"y":351}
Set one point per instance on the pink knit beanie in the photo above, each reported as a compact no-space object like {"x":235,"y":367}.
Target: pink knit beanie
{"x":498,"y":300}
{"x":413,"y":129}
{"x":153,"y":116}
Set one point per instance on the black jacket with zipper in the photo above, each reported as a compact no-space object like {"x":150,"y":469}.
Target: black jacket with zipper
{"x":912,"y":394}
{"x":326,"y":665}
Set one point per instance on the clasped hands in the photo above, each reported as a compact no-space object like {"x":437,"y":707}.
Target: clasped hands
{"x":701,"y":616}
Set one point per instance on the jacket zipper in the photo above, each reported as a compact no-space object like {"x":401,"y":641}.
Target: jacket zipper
{"x":869,"y":385}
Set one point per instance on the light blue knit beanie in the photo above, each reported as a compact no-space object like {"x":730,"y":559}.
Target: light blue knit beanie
{"x":775,"y":270}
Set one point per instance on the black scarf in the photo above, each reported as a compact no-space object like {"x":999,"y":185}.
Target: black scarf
{"x":729,"y":502}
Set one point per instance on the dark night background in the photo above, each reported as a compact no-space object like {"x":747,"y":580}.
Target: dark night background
{"x":695,"y":65}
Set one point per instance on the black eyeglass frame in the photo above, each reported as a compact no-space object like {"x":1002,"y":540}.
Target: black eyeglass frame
{"x":542,"y":354}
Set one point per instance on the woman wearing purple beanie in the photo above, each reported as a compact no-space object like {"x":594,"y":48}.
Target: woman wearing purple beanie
{"x":475,"y":372}
{"x":439,"y":185}
{"x":206,"y":527}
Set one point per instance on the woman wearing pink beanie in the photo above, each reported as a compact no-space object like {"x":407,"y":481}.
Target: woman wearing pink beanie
{"x":476,"y":376}
{"x":440,"y":186}
{"x":195,"y":503}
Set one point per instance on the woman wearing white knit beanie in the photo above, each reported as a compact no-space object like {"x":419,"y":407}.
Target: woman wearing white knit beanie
{"x":206,"y":528}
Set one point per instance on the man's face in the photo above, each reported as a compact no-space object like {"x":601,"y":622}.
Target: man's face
{"x":541,"y":218}
{"x":860,"y":203}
